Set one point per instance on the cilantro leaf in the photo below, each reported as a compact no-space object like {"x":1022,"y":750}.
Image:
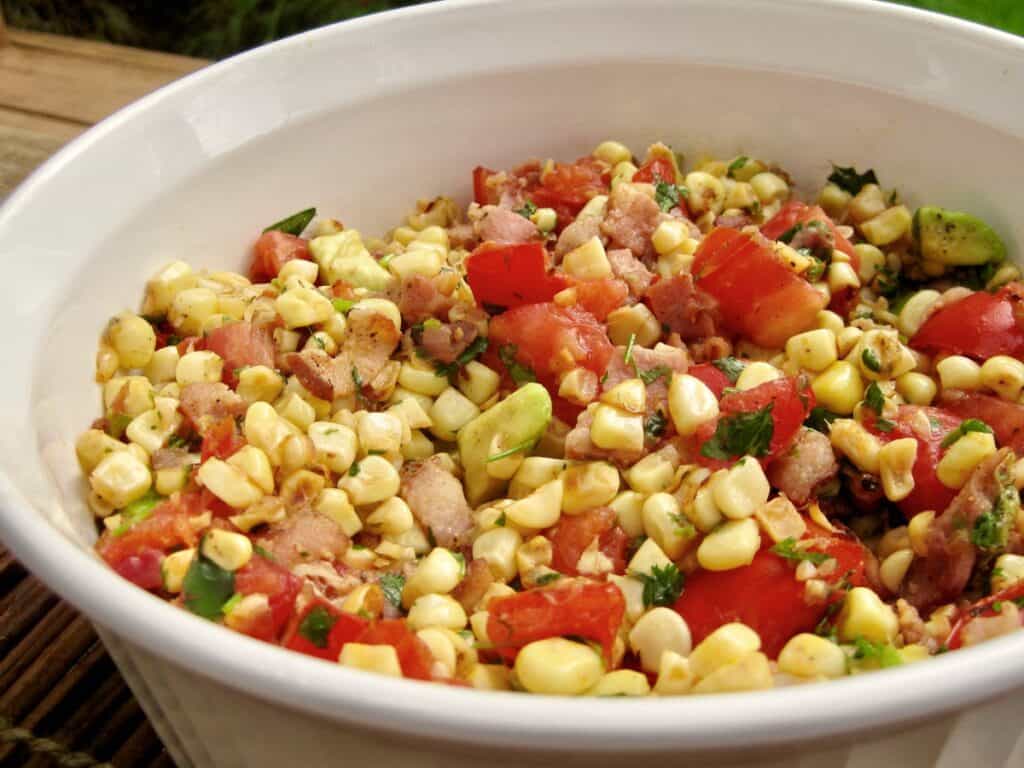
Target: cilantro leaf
{"x":474,"y":350}
{"x":870,"y":360}
{"x":736,"y":164}
{"x":520,"y":373}
{"x":547,"y":578}
{"x":391,"y":584}
{"x":992,"y":529}
{"x":652,"y":375}
{"x":745,"y":434}
{"x":137,"y":511}
{"x":820,"y":419}
{"x":529,"y":208}
{"x":874,"y":398}
{"x":969,"y":425}
{"x":730,"y":366}
{"x":627,"y":356}
{"x":342,"y":305}
{"x":655,"y":425}
{"x":317,"y":626}
{"x":788,"y":550}
{"x":294,"y":224}
{"x":885,"y":654}
{"x":667,"y":195}
{"x":789,"y":234}
{"x":662,"y":586}
{"x":848,"y":180}
{"x":207,"y":587}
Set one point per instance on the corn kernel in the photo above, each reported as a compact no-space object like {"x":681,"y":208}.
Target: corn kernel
{"x":612,"y":152}
{"x":266,"y":511}
{"x":392,"y":518}
{"x":867,"y":203}
{"x":381,"y":659}
{"x":195,"y":367}
{"x":335,"y":444}
{"x":173,"y":569}
{"x":255,"y":465}
{"x":865,"y":615}
{"x":433,"y":610}
{"x":1009,"y":570}
{"x":228,"y":483}
{"x":637,"y":321}
{"x":769,"y":187}
{"x":896,"y":463}
{"x":917,"y":531}
{"x":731,"y":545}
{"x":647,"y":557}
{"x":629,"y":395}
{"x":958,"y":372}
{"x":541,"y":509}
{"x":477,"y":382}
{"x":653,"y":473}
{"x":621,"y":682}
{"x":894,"y":568}
{"x":422,"y":381}
{"x":703,"y":512}
{"x":533,"y":473}
{"x":659,"y":630}
{"x":857,"y":444}
{"x":375,"y":479}
{"x":741,"y":490}
{"x":451,"y":412}
{"x":1004,"y":375}
{"x":755,"y":374}
{"x":628,"y":508}
{"x":664,"y":524}
{"x":302,"y":305}
{"x":916,"y":388}
{"x":191,"y":308}
{"x":588,"y":261}
{"x":807,"y":655}
{"x":780,"y":520}
{"x":690,"y":403}
{"x":498,"y":547}
{"x":888,"y":226}
{"x":726,"y":645}
{"x":227,"y":549}
{"x":588,"y":485}
{"x":120,"y":478}
{"x":842,"y":276}
{"x":959,"y":461}
{"x":617,"y":430}
{"x":558,"y":667}
{"x":674,"y":675}
{"x":813,"y":350}
{"x":669,"y":235}
{"x":632,"y":590}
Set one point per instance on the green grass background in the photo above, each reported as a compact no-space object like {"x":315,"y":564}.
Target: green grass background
{"x":218,"y":28}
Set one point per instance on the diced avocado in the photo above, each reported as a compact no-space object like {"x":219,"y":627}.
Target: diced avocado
{"x":342,"y":256}
{"x":519,"y":418}
{"x":955,"y":238}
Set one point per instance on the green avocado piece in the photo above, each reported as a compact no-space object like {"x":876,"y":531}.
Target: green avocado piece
{"x":955,"y":238}
{"x":520,"y":418}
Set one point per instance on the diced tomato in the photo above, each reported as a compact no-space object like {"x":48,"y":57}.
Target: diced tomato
{"x":791,"y":400}
{"x":574,"y":533}
{"x":656,"y":169}
{"x":512,"y":275}
{"x":1005,"y":418}
{"x":794,"y":213}
{"x":345,"y":628}
{"x":586,"y":609}
{"x":601,"y":297}
{"x":980,"y":326}
{"x":214,"y":505}
{"x":984,"y":608}
{"x":263,"y":576}
{"x":167,"y":528}
{"x":241,"y":344}
{"x":141,"y":568}
{"x":483,"y":194}
{"x":567,"y":188}
{"x":929,"y":492}
{"x":413,"y":653}
{"x":758,"y":296}
{"x":712,"y":376}
{"x":765,"y":595}
{"x":271,"y":251}
{"x":221,"y":439}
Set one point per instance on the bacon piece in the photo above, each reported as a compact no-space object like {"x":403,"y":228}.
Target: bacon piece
{"x":169,"y":458}
{"x":578,"y":444}
{"x":684,"y":308}
{"x":446,"y":342}
{"x":320,"y":374}
{"x":501,"y":225}
{"x":584,"y":228}
{"x":806,"y":466}
{"x":643,"y":360}
{"x":630,"y":219}
{"x":420,"y":298}
{"x":474,"y":584}
{"x":304,"y":537}
{"x":628,"y":267}
{"x":437,"y":501}
{"x":207,"y":402}
{"x":241,"y":344}
{"x":369,"y":341}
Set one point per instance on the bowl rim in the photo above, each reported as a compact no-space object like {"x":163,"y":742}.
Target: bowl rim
{"x":438,"y":712}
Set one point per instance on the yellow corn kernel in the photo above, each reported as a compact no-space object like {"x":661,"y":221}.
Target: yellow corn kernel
{"x":741,"y":489}
{"x":255,"y":465}
{"x":963,"y":456}
{"x":545,"y":219}
{"x":366,"y":600}
{"x":726,"y":645}
{"x":106,"y":362}
{"x":813,"y":350}
{"x":162,"y":365}
{"x":120,"y":478}
{"x":228,"y":483}
{"x":1004,"y":375}
{"x":916,"y":388}
{"x":375,"y":480}
{"x":422,"y":381}
{"x":780,"y":520}
{"x":653,"y":473}
{"x":441,"y":648}
{"x":841,"y":276}
{"x":959,"y":372}
{"x":807,"y":655}
{"x":227,"y":549}
{"x":663,"y":523}
{"x":706,"y":193}
{"x":302,"y":305}
{"x":266,"y":511}
{"x":690,"y":403}
{"x":623,"y":172}
{"x":894,"y":568}
{"x":498,"y":547}
{"x":629,"y":395}
{"x":867,"y":203}
{"x":757,"y":373}
{"x":588,"y":261}
{"x":731,"y":545}
{"x":769,"y":187}
{"x":259,"y":383}
{"x":296,"y":410}
{"x":541,"y":509}
{"x":1009,"y":570}
{"x":533,"y":473}
{"x":532,"y":555}
{"x":191,"y":308}
{"x":888,"y":226}
{"x":411,"y":411}
{"x":917,"y":531}
{"x":132,"y":338}
{"x":880,"y":355}
{"x":915,"y":311}
{"x":578,"y":385}
{"x":434,"y":610}
{"x":170,"y":479}
{"x":174,"y":567}
{"x":896,"y":463}
{"x":834,"y":200}
{"x":675,"y":677}
{"x":647,"y":557}
{"x":856,"y":443}
{"x":830,"y":321}
{"x":304,"y":270}
{"x":637,"y":321}
{"x":751,"y":673}
{"x":392,"y":550}
{"x":558,"y":667}
{"x":165,"y":285}
{"x":335,"y":444}
{"x":703,"y":512}
{"x":392,"y":518}
{"x":847,"y":339}
{"x":588,"y":485}
{"x":632,"y":590}
{"x":612,"y":152}
{"x":451,"y":412}
{"x":490,"y":677}
{"x":659,"y":630}
{"x":865,"y":615}
{"x":379,"y":432}
{"x":381,"y":659}
{"x":669,"y":235}
{"x":621,"y":682}
{"x":614,"y":429}
{"x":872,"y":261}
{"x":477,"y":382}
{"x":418,"y":261}
{"x":195,"y":367}
{"x":740,"y":195}
{"x":628,"y":508}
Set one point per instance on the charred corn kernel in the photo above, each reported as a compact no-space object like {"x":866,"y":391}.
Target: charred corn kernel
{"x":706,"y":192}
{"x":867,"y":203}
{"x":302,"y":305}
{"x":669,"y":235}
{"x":477,"y":382}
{"x":865,"y":615}
{"x":379,"y":431}
{"x":916,"y":388}
{"x":255,"y":465}
{"x":558,"y":667}
{"x":588,"y":485}
{"x":259,"y":383}
{"x":741,"y":489}
{"x":917,"y":531}
{"x":894,"y":568}
{"x":533,"y":554}
{"x":120,"y":478}
{"x":769,"y":187}
{"x":726,"y":645}
{"x":380,"y":659}
{"x":872,"y":261}
{"x":588,"y":261}
{"x":675,"y":677}
{"x":856,"y":443}
{"x":731,"y":545}
{"x":690,"y":403}
{"x":653,"y":473}
{"x":93,"y":446}
{"x":195,"y":367}
{"x":534,"y":472}
{"x":808,"y":655}
{"x":621,"y":682}
{"x":703,"y":512}
{"x":839,"y":388}
{"x":579,"y":386}
{"x":1004,"y":375}
{"x":228,"y":483}
{"x":132,"y":338}
{"x":834,"y":199}
{"x":614,"y":429}
{"x":1009,"y":571}
{"x":842,"y":276}
{"x":629,"y":395}
{"x":637,"y":321}
{"x":451,"y":412}
{"x":880,"y":355}
{"x":191,"y":308}
{"x":896,"y":463}
{"x":888,"y":226}
{"x":375,"y":479}
{"x":963,"y":456}
{"x":664,"y":524}
{"x":751,"y":673}
{"x":335,"y":444}
{"x":780,"y":519}
{"x":813,"y":350}
{"x":628,"y":508}
{"x":174,"y":567}
{"x":162,"y":365}
{"x":392,"y":518}
{"x":498,"y":547}
{"x":227,"y":549}
{"x":757,"y":373}
{"x":632,"y":590}
{"x":958,"y":372}
{"x":916,"y":310}
{"x":541,"y":509}
{"x":647,"y":557}
{"x":612,"y":152}
{"x":657,"y":631}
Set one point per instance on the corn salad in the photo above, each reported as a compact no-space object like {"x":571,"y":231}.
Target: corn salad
{"x":622,"y":427}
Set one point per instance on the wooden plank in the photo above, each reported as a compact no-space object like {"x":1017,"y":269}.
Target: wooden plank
{"x":3,"y":28}
{"x":171,"y":63}
{"x":21,"y":151}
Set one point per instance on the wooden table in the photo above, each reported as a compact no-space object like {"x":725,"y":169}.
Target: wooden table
{"x":62,"y":701}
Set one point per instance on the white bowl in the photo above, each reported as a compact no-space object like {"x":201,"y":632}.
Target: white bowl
{"x":362,"y":118}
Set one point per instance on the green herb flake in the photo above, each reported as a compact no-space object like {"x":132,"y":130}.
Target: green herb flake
{"x":529,"y":208}
{"x":523,"y":446}
{"x":744,"y":434}
{"x":137,"y":511}
{"x":343,"y":305}
{"x":684,"y":528}
{"x":500,"y":522}
{"x":969,"y":425}
{"x":229,"y":606}
{"x":257,"y":549}
{"x":874,"y":398}
{"x":652,"y":375}
{"x":997,"y":606}
{"x":730,"y":366}
{"x":317,"y":626}
{"x":547,"y":578}
{"x":736,"y":164}
{"x":474,"y":350}
{"x":848,"y":180}
{"x":655,"y":425}
{"x":294,"y":224}
{"x":666,"y":195}
{"x":520,"y":373}
{"x":870,"y":360}
{"x":177,"y":441}
{"x":788,"y":550}
{"x":354,"y":469}
{"x":391,"y":584}
{"x":662,"y":586}
{"x":885,"y":654}
{"x":207,"y":587}
{"x":789,"y":234}
{"x":627,"y":356}
{"x":820,"y":419}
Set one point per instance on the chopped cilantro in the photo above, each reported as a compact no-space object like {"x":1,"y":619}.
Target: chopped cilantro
{"x":627,"y":356}
{"x":655,"y":425}
{"x":848,"y":180}
{"x":667,"y":195}
{"x":319,"y":341}
{"x":343,"y":305}
{"x":790,"y":233}
{"x":730,"y":366}
{"x":177,"y":441}
{"x":391,"y":584}
{"x":523,"y":446}
{"x":547,"y":578}
{"x":969,"y":425}
{"x":652,"y":375}
{"x":207,"y":587}
{"x":991,"y":529}
{"x":745,"y":434}
{"x":870,"y":360}
{"x":137,"y":511}
{"x":662,"y":586}
{"x":294,"y":224}
{"x":997,"y":606}
{"x":354,"y":469}
{"x":820,"y":419}
{"x":684,"y":528}
{"x":256,"y":548}
{"x":500,"y":522}
{"x":529,"y":208}
{"x":477,"y":348}
{"x":520,"y":373}
{"x":874,"y":398}
{"x":229,"y":606}
{"x":787,"y":550}
{"x":317,"y":626}
{"x":885,"y":654}
{"x":736,"y":164}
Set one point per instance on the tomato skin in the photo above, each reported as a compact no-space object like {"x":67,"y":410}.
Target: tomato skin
{"x":980,"y":326}
{"x":413,"y":654}
{"x":272,"y":251}
{"x":568,"y":187}
{"x":765,"y":595}
{"x":1005,"y":418}
{"x":601,"y":297}
{"x":346,"y":629}
{"x":982,"y":608}
{"x":794,"y":213}
{"x":281,"y":587}
{"x":584,"y":608}
{"x":715,"y":380}
{"x":142,"y":568}
{"x":574,"y":533}
{"x":483,"y":194}
{"x":654,"y":170}
{"x":167,"y":528}
{"x":221,"y":439}
{"x":512,"y":275}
